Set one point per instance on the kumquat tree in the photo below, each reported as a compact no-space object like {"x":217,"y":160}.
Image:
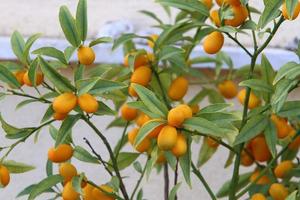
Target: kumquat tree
{"x":146,"y":95}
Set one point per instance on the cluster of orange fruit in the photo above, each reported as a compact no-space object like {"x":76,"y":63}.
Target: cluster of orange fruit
{"x":66,"y":102}
{"x":23,"y":78}
{"x":61,"y":155}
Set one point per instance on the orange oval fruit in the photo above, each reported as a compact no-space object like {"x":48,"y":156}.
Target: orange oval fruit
{"x":167,"y":138}
{"x":69,"y":192}
{"x":132,"y":135}
{"x":215,"y":18}
{"x":195,"y":108}
{"x":240,"y":14}
{"x":187,"y":111}
{"x":4,"y":176}
{"x":142,"y":76}
{"x":86,"y":55}
{"x":278,"y":191}
{"x":142,"y":119}
{"x":88,"y":192}
{"x":60,"y":116}
{"x":254,"y":101}
{"x":128,"y":113}
{"x":98,"y":194}
{"x":140,"y":60}
{"x":258,"y":196}
{"x":282,"y":126}
{"x":143,"y":146}
{"x":180,"y":147}
{"x":260,"y":149}
{"x":213,"y":42}
{"x":178,"y":88}
{"x":283,"y":168}
{"x":246,"y":159}
{"x":228,"y":89}
{"x":207,"y":3}
{"x":61,"y":153}
{"x":20,"y":76}
{"x":295,"y":14}
{"x":175,"y":117}
{"x":67,"y":171}
{"x":264,"y":180}
{"x":88,"y":103}
{"x":64,"y":103}
{"x":38,"y":79}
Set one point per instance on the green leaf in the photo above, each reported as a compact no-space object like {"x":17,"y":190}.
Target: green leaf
{"x":139,"y":105}
{"x":18,"y":45}
{"x":60,"y":82}
{"x":49,"y":168}
{"x":83,"y":155}
{"x":81,"y":19}
{"x":173,"y":191}
{"x":44,"y":185}
{"x":205,"y":153}
{"x":217,"y":107}
{"x":146,"y":129}
{"x":291,"y":68}
{"x":257,"y":84}
{"x":290,"y":7}
{"x":7,"y":77}
{"x":32,"y":72}
{"x":48,"y":114}
{"x":150,"y":100}
{"x":100,"y":41}
{"x":17,"y":167}
{"x":79,"y":73}
{"x":68,"y":52}
{"x":51,"y":52}
{"x":253,"y":127}
{"x":76,"y":183}
{"x":125,"y":159}
{"x":105,"y":110}
{"x":28,"y":190}
{"x":152,"y":15}
{"x":271,"y":11}
{"x":292,"y":196}
{"x":24,"y":103}
{"x":271,"y":137}
{"x":29,"y":43}
{"x":66,"y":128}
{"x":67,"y":23}
{"x":125,"y":38}
{"x":290,"y":109}
{"x":185,"y":163}
{"x":268,"y":73}
{"x":13,"y":132}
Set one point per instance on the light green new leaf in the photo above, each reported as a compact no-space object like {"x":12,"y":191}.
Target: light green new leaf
{"x":290,"y":68}
{"x":44,"y":186}
{"x":257,"y":84}
{"x":59,"y":81}
{"x":24,"y":103}
{"x":253,"y":127}
{"x":77,"y":182}
{"x":292,"y":196}
{"x":66,"y":128}
{"x":271,"y":137}
{"x":152,"y":15}
{"x":51,"y":52}
{"x":81,"y":19}
{"x":267,"y":71}
{"x":125,"y":38}
{"x":17,"y":167}
{"x":83,"y":155}
{"x":100,"y":41}
{"x":18,"y":45}
{"x":68,"y":25}
{"x":173,"y":191}
{"x":7,"y":77}
{"x":271,"y":11}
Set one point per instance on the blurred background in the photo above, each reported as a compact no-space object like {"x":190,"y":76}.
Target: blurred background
{"x":107,"y":17}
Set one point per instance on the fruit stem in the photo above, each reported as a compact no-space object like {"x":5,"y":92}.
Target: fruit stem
{"x":166,"y":180}
{"x":202,"y":179}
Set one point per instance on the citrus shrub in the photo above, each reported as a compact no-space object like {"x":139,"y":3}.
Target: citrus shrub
{"x":158,"y":115}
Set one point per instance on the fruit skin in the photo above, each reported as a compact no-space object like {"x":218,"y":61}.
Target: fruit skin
{"x":69,"y":192}
{"x":215,"y":18}
{"x":141,"y":60}
{"x":67,"y":171}
{"x":195,"y":108}
{"x":264,"y":180}
{"x":240,"y":15}
{"x":282,"y":126}
{"x":180,"y":147}
{"x":143,"y":146}
{"x":156,"y":131}
{"x":278,"y":191}
{"x":187,"y":111}
{"x":213,"y":42}
{"x":142,"y":119}
{"x":234,"y":2}
{"x":64,"y":103}
{"x":260,"y":149}
{"x":154,"y":38}
{"x":61,"y":153}
{"x":178,"y":88}
{"x":39,"y":79}
{"x":59,"y":116}
{"x":128,"y":113}
{"x":254,"y":101}
{"x":88,"y":192}
{"x":207,"y":3}
{"x":167,"y":138}
{"x":98,"y":194}
{"x":86,"y":55}
{"x":211,"y":143}
{"x":20,"y":76}
{"x":228,"y":89}
{"x":175,"y":117}
{"x":295,"y":14}
{"x":246,"y":159}
{"x":258,"y":196}
{"x":132,"y":135}
{"x":283,"y":168}
{"x":141,"y":76}
{"x":4,"y":176}
{"x":131,"y":91}
{"x":88,"y":103}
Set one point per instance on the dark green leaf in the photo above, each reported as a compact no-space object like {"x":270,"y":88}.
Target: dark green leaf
{"x":66,"y":128}
{"x":81,"y":19}
{"x":51,"y":52}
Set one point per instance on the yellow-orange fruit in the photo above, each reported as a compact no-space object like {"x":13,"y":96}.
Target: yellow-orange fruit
{"x":4,"y":176}
{"x":295,"y":14}
{"x":88,"y":192}
{"x":215,"y":18}
{"x":88,"y":103}
{"x":60,"y":116}
{"x":132,"y":135}
{"x":154,"y":38}
{"x":61,"y":153}
{"x":128,"y":113}
{"x":161,"y":158}
{"x":175,"y":117}
{"x":228,"y":89}
{"x":260,"y":149}
{"x":278,"y":191}
{"x":283,"y":168}
{"x":187,"y":111}
{"x":246,"y":159}
{"x":156,"y":131}
{"x":178,"y":88}
{"x":195,"y":108}
{"x":207,"y":3}
{"x":64,"y":103}
{"x":100,"y":195}
{"x":143,"y":146}
{"x":142,"y":119}
{"x":211,"y":142}
{"x":213,"y":43}
{"x":254,"y":101}
{"x":180,"y":147}
{"x":69,"y":192}
{"x":67,"y":171}
{"x":233,"y":2}
{"x":295,"y":144}
{"x":258,"y":196}
{"x":86,"y":55}
{"x":20,"y":76}
{"x":240,"y":14}
{"x":131,"y":91}
{"x":141,"y":75}
{"x":264,"y":180}
{"x":141,"y":60}
{"x":38,"y":79}
{"x":282,"y":126}
{"x":167,"y":138}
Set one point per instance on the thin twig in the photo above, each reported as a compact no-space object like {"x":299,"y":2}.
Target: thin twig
{"x":166,"y":180}
{"x":122,"y":140}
